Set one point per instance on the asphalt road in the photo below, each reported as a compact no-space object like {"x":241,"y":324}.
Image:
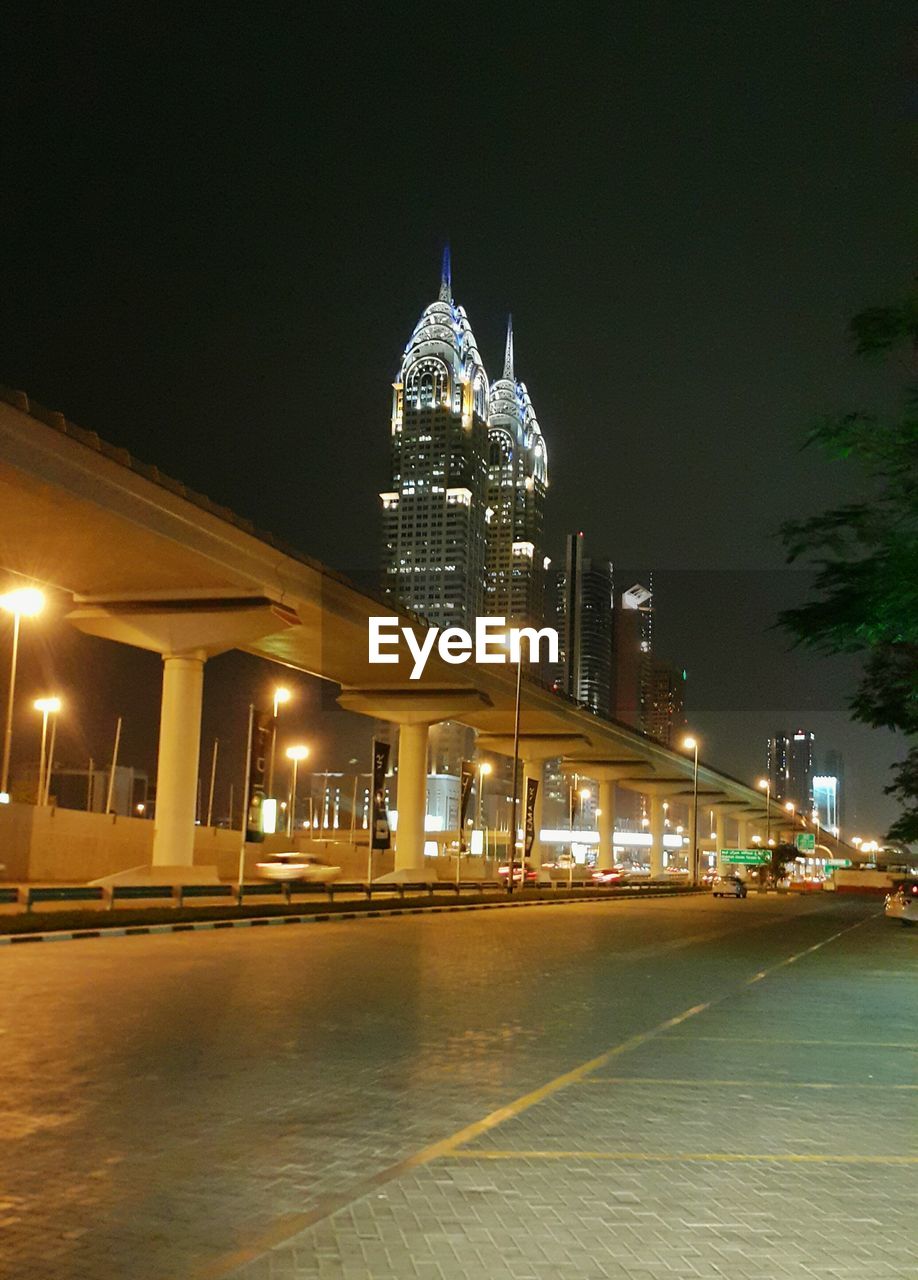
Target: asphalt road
{"x":674,"y":1087}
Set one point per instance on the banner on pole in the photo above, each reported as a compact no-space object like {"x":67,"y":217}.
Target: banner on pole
{"x":259,"y":746}
{"x":380,"y":836}
{"x":465,"y":794}
{"x":532,"y":790}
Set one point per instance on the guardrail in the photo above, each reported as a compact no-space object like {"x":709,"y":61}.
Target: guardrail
{"x":86,"y":896}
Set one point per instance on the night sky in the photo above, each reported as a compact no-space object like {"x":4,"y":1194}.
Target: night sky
{"x":219,"y":229}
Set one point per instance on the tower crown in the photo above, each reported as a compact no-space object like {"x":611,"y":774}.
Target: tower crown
{"x":512,"y":412}
{"x":442,"y":354}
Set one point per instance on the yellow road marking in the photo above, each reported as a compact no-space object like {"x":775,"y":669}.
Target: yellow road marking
{"x":848,"y":1044}
{"x":293,"y":1224}
{"x":749,"y":1084}
{"x":660,"y":1157}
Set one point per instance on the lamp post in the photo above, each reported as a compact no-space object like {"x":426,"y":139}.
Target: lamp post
{"x":765,"y":785}
{"x":516,"y":764}
{"x":26,"y":602}
{"x":484,"y":771}
{"x":47,"y":707}
{"x":281,"y":696}
{"x":691,"y":744}
{"x":295,"y":755}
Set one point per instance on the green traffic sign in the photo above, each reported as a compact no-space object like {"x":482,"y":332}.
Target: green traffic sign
{"x":748,"y":857}
{"x":806,"y":841}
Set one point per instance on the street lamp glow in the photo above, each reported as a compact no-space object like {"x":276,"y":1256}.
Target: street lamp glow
{"x":26,"y":602}
{"x":790,"y":806}
{"x":23,"y":602}
{"x":47,"y":707}
{"x":281,"y":695}
{"x":585,"y":793}
{"x":690,"y":743}
{"x":764,"y":784}
{"x":297,"y":753}
{"x":485,"y":769}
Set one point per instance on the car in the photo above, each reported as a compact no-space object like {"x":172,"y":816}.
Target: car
{"x":290,"y":866}
{"x":532,"y":875}
{"x":902,"y":903}
{"x":728,"y":885}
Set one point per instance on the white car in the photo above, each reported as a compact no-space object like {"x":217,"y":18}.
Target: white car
{"x":728,"y":886}
{"x":902,"y":903}
{"x":297,"y":866}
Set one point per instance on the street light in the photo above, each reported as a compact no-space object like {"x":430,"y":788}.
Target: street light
{"x":47,"y":707}
{"x":516,"y":765}
{"x":281,"y":695}
{"x":484,"y":771}
{"x":294,"y":754}
{"x":765,"y":785}
{"x":691,"y":744}
{"x":25,"y":602}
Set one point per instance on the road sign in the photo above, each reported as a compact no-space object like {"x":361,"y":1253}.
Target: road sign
{"x":806,"y":841}
{"x":748,"y":857}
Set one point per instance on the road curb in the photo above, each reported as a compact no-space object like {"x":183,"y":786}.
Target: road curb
{"x":248,"y":922}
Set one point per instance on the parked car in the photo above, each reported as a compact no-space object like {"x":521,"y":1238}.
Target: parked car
{"x":297,"y":866}
{"x":902,"y":903}
{"x":728,"y":886}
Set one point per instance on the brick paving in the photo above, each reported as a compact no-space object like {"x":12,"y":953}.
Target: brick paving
{"x":176,"y":1105}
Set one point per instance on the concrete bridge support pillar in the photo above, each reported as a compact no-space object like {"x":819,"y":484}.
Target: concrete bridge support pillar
{"x":657,"y":828}
{"x":605,"y":853}
{"x":177,"y":768}
{"x":720,"y":842}
{"x":412,"y":795}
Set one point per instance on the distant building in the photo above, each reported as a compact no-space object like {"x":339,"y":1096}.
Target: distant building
{"x":82,"y":789}
{"x":789,"y":763}
{"x":581,"y":608}
{"x":825,"y":801}
{"x":632,"y":655}
{"x":664,"y":710}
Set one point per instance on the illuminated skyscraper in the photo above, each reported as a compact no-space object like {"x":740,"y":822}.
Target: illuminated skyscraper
{"x":462,"y":519}
{"x":580,"y":606}
{"x":517,"y":483}
{"x":434,"y":513}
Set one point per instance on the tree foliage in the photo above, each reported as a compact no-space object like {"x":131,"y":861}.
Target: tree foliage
{"x":865,"y":553}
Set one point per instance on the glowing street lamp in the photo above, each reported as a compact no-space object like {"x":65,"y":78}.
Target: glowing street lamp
{"x":25,"y":602}
{"x":765,"y":785}
{"x":484,"y":771}
{"x":690,"y":743}
{"x":295,"y":755}
{"x":281,"y":695}
{"x":47,"y":707}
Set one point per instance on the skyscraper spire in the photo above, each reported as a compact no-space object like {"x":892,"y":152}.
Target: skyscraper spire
{"x":508,"y":350}
{"x":446,"y":277}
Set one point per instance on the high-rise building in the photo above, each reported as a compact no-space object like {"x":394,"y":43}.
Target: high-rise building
{"x":632,"y":655}
{"x":789,"y":764}
{"x":581,"y":608}
{"x":777,"y":765}
{"x":434,"y":513}
{"x":802,"y":769}
{"x":825,"y":801}
{"x":664,"y":710}
{"x":517,"y":484}
{"x":462,"y":519}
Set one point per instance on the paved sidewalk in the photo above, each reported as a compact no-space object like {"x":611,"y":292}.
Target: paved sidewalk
{"x":770,"y":1135}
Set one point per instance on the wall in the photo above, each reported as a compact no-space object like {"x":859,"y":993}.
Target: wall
{"x":73,"y":846}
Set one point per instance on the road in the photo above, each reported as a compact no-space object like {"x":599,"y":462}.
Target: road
{"x":687,"y":1088}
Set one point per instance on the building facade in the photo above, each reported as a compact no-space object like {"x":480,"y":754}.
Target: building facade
{"x":581,"y":602}
{"x":517,"y":485}
{"x":434,"y":512}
